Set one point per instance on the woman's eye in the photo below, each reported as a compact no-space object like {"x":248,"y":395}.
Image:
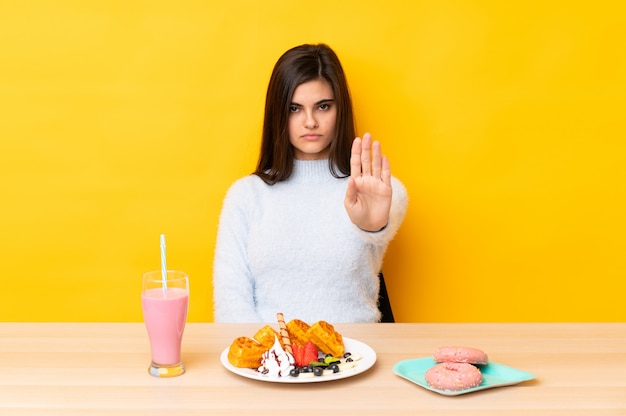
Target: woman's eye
{"x":293,"y":109}
{"x":324,"y":106}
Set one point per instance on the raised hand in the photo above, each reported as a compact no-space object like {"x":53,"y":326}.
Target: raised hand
{"x":368,"y":197}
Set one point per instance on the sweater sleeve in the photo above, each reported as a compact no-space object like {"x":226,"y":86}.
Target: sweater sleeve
{"x":233,"y":284}
{"x":399,"y":203}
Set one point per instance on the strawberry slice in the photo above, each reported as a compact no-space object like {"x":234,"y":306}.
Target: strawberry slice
{"x":309,"y":353}
{"x":298,"y":354}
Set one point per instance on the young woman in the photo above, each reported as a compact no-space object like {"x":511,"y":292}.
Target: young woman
{"x":306,"y":233}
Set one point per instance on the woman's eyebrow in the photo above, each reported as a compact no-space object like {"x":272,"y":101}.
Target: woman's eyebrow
{"x":322,"y":101}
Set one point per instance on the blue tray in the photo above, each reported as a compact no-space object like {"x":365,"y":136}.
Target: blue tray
{"x":494,"y":375}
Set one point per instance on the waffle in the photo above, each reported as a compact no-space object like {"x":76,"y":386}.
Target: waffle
{"x":266,"y":336}
{"x":326,"y":339}
{"x":245,"y":352}
{"x":298,"y":331}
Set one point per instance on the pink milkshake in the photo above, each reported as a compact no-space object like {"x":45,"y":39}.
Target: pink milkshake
{"x":165,"y":314}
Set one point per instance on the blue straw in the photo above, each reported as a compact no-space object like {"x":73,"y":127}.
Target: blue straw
{"x":163,"y":263}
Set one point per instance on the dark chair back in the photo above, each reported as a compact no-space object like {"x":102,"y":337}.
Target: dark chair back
{"x":384,"y":304}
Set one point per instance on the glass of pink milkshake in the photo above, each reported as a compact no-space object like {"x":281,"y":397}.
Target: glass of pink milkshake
{"x":165,"y":307}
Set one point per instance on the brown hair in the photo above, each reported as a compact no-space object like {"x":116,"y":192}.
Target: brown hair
{"x":296,"y":66}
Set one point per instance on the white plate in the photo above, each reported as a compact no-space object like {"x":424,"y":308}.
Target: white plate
{"x":368,"y":358}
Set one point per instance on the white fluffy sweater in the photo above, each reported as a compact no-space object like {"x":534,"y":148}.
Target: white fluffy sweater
{"x":292,"y":248}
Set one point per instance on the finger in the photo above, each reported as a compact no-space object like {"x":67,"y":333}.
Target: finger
{"x":351,"y":192}
{"x":376,"y":160}
{"x":386,"y":171}
{"x":366,"y":164}
{"x":355,"y":158}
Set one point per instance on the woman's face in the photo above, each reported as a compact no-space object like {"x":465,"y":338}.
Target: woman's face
{"x":312,"y":118}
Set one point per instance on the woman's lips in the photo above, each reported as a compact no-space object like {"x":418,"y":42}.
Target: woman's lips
{"x":311,"y":136}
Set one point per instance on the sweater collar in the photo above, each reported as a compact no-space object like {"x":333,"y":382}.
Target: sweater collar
{"x":311,"y":171}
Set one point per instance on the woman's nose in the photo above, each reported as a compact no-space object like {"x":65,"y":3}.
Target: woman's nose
{"x":310,"y":121}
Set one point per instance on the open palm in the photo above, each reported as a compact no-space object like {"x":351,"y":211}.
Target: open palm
{"x":368,"y":196}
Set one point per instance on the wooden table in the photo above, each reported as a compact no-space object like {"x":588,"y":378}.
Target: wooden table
{"x":101,"y":369}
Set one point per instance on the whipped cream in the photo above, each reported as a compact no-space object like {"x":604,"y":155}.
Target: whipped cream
{"x":276,"y":362}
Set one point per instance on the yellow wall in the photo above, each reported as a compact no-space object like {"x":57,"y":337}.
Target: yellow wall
{"x":121,"y":120}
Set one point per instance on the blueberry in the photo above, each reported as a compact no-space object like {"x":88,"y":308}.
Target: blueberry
{"x":294,"y":372}
{"x":318,"y":371}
